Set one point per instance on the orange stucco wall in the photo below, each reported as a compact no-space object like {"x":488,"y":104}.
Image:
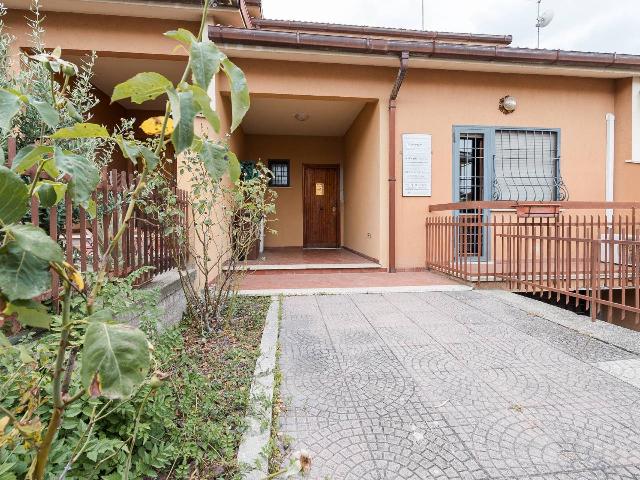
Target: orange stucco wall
{"x":299,"y":150}
{"x":361,"y":175}
{"x":434,"y":101}
{"x":119,"y":35}
{"x":626,"y":174}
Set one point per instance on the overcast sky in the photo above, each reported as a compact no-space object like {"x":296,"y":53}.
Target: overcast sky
{"x":590,"y":25}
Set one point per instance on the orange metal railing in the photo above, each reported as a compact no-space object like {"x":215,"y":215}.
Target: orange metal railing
{"x":582,"y":252}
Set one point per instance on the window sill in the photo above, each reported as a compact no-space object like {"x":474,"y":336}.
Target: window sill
{"x":637,"y":162}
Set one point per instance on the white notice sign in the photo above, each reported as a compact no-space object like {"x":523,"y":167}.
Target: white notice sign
{"x":416,"y":165}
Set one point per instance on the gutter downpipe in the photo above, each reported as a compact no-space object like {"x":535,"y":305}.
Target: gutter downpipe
{"x":402,"y":73}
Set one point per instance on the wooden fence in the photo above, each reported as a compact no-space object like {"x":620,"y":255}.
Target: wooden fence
{"x":85,"y":238}
{"x":590,"y":258}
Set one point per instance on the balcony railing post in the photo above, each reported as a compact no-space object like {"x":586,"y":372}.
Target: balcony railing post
{"x":595,"y":277}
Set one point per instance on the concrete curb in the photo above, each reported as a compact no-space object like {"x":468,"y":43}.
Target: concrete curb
{"x":357,"y":290}
{"x":253,"y":452}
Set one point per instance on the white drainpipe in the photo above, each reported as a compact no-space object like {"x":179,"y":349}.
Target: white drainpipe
{"x":610,"y":163}
{"x":261,"y":236}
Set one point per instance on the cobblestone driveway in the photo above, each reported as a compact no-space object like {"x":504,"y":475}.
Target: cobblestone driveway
{"x":456,"y":385}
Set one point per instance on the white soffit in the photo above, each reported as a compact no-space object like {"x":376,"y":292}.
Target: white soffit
{"x":287,"y":54}
{"x":276,"y":116}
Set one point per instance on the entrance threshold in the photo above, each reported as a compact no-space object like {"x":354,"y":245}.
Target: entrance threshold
{"x":305,"y":260}
{"x":340,"y":282}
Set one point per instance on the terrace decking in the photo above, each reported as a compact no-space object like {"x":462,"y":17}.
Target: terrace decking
{"x":301,"y":271}
{"x":305,"y":260}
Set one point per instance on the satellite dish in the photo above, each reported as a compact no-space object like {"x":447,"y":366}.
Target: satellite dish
{"x":545,"y":19}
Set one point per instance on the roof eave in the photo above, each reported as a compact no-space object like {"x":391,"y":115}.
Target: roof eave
{"x":408,"y":34}
{"x":428,"y":49}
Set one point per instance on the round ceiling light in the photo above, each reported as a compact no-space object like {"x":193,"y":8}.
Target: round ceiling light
{"x":301,"y":116}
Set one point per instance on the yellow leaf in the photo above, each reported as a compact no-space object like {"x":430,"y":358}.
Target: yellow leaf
{"x":4,"y":421}
{"x":32,"y":428}
{"x":153,"y":126}
{"x":75,"y":276}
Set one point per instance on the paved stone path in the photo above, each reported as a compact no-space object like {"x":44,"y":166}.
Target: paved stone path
{"x":463,"y":385}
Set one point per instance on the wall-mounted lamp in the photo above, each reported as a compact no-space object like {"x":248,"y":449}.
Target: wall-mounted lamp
{"x":301,"y":116}
{"x":508,"y":104}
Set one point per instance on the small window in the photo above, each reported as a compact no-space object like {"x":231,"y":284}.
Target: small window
{"x":509,"y":164}
{"x":280,"y":173}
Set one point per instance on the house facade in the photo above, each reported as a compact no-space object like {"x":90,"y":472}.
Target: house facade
{"x":365,"y":128}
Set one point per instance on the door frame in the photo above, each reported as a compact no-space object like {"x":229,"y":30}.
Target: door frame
{"x":488,"y":174}
{"x":328,"y":166}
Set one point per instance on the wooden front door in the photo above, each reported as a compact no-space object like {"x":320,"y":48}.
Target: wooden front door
{"x":321,"y":198}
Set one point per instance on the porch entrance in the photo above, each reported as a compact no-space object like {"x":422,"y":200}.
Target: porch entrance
{"x":321,"y":209}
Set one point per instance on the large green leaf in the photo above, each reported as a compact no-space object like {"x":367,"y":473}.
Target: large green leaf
{"x":29,"y":313}
{"x":205,"y":62}
{"x":215,"y":159}
{"x":85,"y":176}
{"x":34,"y":241}
{"x":150,"y":158}
{"x":141,"y":88}
{"x":72,"y":111}
{"x":28,"y":156}
{"x":183,"y":36}
{"x":129,"y":148}
{"x":239,"y":92}
{"x":49,"y":115}
{"x":174,"y":101}
{"x":50,"y":193}
{"x":115,"y":360}
{"x":234,"y":167}
{"x":22,"y":275}
{"x":10,"y":103}
{"x":203,"y":103}
{"x":49,"y":167}
{"x":82,"y":130}
{"x":105,"y":315}
{"x":15,"y":196}
{"x":92,"y":208}
{"x":134,"y":151}
{"x":182,"y":136}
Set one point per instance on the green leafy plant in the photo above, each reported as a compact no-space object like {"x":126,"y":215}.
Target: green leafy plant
{"x":114,"y":359}
{"x":226,"y":225}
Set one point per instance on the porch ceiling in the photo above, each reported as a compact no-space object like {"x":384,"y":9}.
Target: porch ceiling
{"x":277,"y":116}
{"x":109,"y":71}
